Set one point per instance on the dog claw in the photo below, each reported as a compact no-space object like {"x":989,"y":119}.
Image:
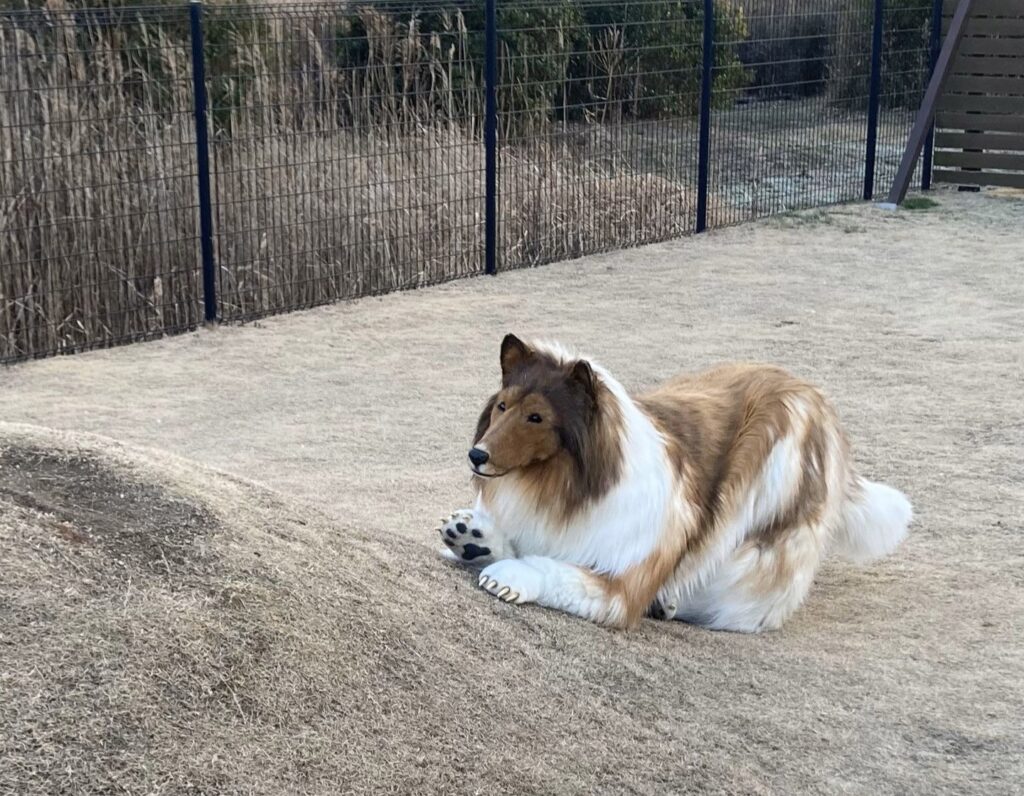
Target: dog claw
{"x":511,"y":597}
{"x":501,"y":594}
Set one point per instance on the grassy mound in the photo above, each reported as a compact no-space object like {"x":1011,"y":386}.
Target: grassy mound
{"x":177,"y":630}
{"x":170,"y":629}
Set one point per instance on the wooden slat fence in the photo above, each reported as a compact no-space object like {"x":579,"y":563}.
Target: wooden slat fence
{"x":980,"y":115}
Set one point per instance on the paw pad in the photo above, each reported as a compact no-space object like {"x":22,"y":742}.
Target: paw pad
{"x":457,"y":532}
{"x":471,"y":551}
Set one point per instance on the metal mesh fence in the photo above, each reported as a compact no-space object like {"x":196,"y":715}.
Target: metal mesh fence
{"x":98,"y":238}
{"x":905,"y":68}
{"x":794,"y":137}
{"x":597,"y":122}
{"x":348,"y":149}
{"x":347,"y":157}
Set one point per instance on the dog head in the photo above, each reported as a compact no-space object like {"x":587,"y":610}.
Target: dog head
{"x":544,"y":409}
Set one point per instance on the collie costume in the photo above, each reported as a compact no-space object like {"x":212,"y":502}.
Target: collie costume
{"x":711,"y":499}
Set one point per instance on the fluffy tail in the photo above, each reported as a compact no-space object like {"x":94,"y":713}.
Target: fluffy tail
{"x":875,"y":520}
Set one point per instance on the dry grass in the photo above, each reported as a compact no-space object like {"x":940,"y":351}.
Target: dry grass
{"x":97,"y":229}
{"x":329,"y":181}
{"x":168,"y":629}
{"x":176,"y":611}
{"x":98,"y":217}
{"x":379,"y":215}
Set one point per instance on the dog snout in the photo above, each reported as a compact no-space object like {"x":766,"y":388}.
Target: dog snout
{"x":478,"y":457}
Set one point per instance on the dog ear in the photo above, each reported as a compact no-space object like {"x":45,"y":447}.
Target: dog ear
{"x":584,"y":376}
{"x":514,"y":354}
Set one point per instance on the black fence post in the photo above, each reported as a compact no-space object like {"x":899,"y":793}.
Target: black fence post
{"x":704,"y":150}
{"x":491,"y":136}
{"x":195,"y":10}
{"x":936,"y":42}
{"x":874,"y":93}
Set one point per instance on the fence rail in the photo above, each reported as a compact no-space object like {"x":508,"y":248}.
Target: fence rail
{"x":168,"y":165}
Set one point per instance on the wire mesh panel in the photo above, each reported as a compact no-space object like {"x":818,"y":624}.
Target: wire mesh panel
{"x":792,"y":136}
{"x":97,"y":179}
{"x":346,"y":150}
{"x":349,"y":147}
{"x":906,"y":68}
{"x":597,"y":121}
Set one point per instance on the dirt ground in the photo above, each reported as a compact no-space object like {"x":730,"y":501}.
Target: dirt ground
{"x":166,"y":627}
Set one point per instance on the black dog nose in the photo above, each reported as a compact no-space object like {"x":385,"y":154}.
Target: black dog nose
{"x":478,"y":457}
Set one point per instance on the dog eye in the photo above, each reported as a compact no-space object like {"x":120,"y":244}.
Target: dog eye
{"x":501,"y":407}
{"x":534,"y":418}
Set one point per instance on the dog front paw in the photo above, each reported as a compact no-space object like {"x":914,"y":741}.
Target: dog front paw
{"x":513,"y":580}
{"x":469,"y":537}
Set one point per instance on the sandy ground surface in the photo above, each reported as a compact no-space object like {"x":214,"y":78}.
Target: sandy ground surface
{"x":382,"y":668}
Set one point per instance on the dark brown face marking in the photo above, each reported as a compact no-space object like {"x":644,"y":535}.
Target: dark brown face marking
{"x":522,"y":423}
{"x":560,"y":426}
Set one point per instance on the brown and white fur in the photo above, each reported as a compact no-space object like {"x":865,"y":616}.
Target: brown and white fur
{"x":713,"y":498}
